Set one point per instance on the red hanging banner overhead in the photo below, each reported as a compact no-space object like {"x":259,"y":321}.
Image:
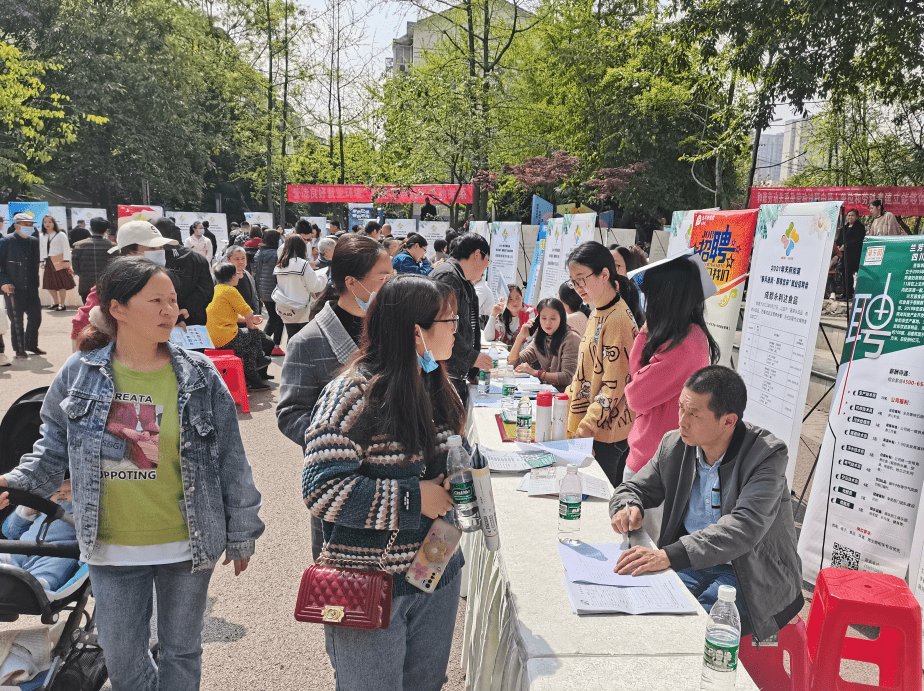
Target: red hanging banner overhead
{"x":340,"y":194}
{"x":901,"y":201}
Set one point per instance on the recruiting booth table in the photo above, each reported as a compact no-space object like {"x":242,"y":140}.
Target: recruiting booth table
{"x":520,"y":632}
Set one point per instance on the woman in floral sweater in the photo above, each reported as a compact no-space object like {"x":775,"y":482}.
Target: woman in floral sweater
{"x":597,"y":404}
{"x":375,"y":462}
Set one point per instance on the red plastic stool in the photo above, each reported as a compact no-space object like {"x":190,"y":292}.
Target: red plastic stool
{"x":844,"y":598}
{"x":231,"y":369}
{"x":766,"y":663}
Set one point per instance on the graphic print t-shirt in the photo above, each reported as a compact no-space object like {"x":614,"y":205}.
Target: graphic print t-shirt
{"x":142,"y":485}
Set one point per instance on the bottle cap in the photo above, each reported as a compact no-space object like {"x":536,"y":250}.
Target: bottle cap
{"x":454,"y":440}
{"x":727,"y":593}
{"x":524,"y":397}
{"x":561,"y":397}
{"x":544,"y":398}
{"x":572,"y":468}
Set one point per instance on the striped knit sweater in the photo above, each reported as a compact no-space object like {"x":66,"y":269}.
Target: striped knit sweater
{"x":353,"y":482}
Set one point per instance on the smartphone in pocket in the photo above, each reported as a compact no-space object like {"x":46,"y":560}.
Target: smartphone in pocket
{"x":430,"y":561}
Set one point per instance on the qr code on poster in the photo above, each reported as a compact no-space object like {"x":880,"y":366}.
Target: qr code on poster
{"x":845,"y":558}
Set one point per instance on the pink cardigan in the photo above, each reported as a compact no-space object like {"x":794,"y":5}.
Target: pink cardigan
{"x":654,"y":392}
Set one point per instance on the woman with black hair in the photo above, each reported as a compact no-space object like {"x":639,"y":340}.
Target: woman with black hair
{"x":412,"y":257}
{"x":577,"y":311}
{"x":508,"y":317}
{"x":374,"y":473}
{"x":358,"y":269}
{"x":264,"y":262}
{"x":597,"y":407}
{"x":553,"y":354}
{"x":674,"y":343}
{"x":296,"y":283}
{"x":224,"y":311}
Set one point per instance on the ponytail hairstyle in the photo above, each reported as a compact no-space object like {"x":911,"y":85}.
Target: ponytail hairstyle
{"x":404,"y":403}
{"x":413,"y":239}
{"x":674,"y":303}
{"x":354,"y":255}
{"x":545,"y":344}
{"x":122,"y":280}
{"x":505,"y":315}
{"x":569,"y":296}
{"x":596,"y":257}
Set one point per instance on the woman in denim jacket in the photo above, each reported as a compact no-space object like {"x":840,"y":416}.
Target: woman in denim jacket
{"x":165,"y":522}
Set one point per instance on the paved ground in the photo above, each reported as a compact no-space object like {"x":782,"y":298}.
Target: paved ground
{"x":251,"y":638}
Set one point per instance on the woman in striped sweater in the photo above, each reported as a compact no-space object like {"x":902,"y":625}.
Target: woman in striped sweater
{"x":375,"y":462}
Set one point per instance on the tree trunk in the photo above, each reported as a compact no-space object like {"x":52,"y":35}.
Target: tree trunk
{"x":284,"y":123}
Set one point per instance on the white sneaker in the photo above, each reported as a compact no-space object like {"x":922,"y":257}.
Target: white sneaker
{"x":4,"y":360}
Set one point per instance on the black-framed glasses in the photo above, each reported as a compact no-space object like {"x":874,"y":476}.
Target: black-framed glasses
{"x":579,"y":282}
{"x":454,"y":320}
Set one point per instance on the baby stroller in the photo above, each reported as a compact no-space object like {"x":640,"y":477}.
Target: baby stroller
{"x":77,"y":662}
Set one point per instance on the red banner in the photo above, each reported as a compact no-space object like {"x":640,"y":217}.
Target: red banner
{"x":339,"y":194}
{"x":901,"y":201}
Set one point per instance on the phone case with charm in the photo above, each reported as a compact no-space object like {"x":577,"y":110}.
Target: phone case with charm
{"x":435,"y":552}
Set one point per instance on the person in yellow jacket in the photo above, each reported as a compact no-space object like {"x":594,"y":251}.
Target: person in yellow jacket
{"x":597,"y":404}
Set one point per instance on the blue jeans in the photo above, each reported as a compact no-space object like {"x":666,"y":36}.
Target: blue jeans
{"x":123,"y":597}
{"x":704,"y":584}
{"x":411,"y":654}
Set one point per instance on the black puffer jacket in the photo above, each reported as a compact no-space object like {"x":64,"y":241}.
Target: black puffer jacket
{"x":192,"y":279}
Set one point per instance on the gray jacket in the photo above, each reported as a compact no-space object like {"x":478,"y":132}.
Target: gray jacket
{"x":756,"y":532}
{"x":313,"y":358}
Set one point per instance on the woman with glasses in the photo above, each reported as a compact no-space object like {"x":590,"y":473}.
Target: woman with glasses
{"x":597,"y":402}
{"x":374,"y":472}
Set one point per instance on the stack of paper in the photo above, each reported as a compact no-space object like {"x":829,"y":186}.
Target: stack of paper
{"x":516,"y":462}
{"x":191,"y":337}
{"x":577,"y":451}
{"x":546,"y":481}
{"x":586,"y":563}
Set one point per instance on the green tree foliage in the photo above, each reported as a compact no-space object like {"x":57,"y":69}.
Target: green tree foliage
{"x":33,"y":124}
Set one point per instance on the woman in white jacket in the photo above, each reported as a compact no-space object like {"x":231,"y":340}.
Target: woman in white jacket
{"x":296,"y":284}
{"x":55,"y":253}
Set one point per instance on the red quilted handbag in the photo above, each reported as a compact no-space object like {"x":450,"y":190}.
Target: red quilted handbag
{"x":352,"y":598}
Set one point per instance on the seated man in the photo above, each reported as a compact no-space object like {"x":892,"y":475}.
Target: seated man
{"x":727,"y":512}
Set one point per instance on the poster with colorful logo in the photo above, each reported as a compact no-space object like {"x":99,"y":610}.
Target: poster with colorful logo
{"x":432,"y":231}
{"x":724,"y":240}
{"x":59,"y":213}
{"x":481,"y":228}
{"x":218,"y":226}
{"x":505,"y":246}
{"x":139,"y":213}
{"x":554,"y":259}
{"x":789,"y":269}
{"x":35,"y":210}
{"x":863,"y":512}
{"x":530,"y":297}
{"x":184,"y":219}
{"x":402,"y":227}
{"x":85,"y":214}
{"x":264,"y":218}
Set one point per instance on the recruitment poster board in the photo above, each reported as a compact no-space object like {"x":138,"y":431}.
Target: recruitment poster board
{"x":37,"y":210}
{"x":59,"y":213}
{"x":264,"y":218}
{"x":505,"y":245}
{"x":402,"y":227}
{"x":138,"y":213}
{"x":660,"y":241}
{"x":863,"y":510}
{"x":218,"y":226}
{"x":184,"y":219}
{"x":681,"y":229}
{"x":789,"y":268}
{"x":481,"y":228}
{"x":553,"y":260}
{"x":530,"y":297}
{"x":84,"y":214}
{"x":432,"y":231}
{"x":724,"y":240}
{"x":360,"y":215}
{"x":542,"y":211}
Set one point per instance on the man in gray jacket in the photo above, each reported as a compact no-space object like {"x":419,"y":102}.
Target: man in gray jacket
{"x":727,"y":513}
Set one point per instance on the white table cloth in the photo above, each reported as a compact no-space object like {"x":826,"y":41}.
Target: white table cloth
{"x":520,"y":632}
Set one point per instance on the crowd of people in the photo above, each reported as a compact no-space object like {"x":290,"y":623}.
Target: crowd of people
{"x":382,"y":348}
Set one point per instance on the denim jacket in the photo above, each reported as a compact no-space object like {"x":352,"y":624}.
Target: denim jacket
{"x":220,"y":501}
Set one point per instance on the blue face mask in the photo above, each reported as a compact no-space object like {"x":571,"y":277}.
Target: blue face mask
{"x":364,"y":304}
{"x":426,"y":361}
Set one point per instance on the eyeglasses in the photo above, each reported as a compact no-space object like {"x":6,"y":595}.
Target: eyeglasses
{"x":579,"y":282}
{"x":454,"y":320}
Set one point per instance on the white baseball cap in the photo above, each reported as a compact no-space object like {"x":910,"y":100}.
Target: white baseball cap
{"x":140,"y":233}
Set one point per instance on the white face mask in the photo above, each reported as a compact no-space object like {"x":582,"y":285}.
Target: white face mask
{"x":157,"y":256}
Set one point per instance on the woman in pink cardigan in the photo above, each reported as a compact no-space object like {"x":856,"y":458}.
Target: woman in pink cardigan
{"x":674,"y":343}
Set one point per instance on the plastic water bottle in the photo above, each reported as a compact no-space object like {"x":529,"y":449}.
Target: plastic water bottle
{"x":459,"y":470}
{"x":569,"y":507}
{"x":723,"y":635}
{"x":484,"y":381}
{"x":509,"y":391}
{"x":525,"y":419}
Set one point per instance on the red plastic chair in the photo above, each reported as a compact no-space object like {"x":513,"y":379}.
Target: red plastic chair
{"x":231,"y":369}
{"x":767,"y":663}
{"x":844,"y":598}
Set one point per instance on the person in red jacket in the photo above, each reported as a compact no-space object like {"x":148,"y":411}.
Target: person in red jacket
{"x":674,"y":343}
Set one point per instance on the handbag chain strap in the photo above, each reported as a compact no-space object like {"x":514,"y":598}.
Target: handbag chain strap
{"x":328,"y":558}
